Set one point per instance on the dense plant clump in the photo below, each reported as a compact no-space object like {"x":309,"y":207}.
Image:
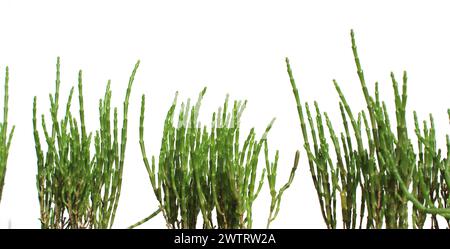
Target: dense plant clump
{"x":376,"y":169}
{"x":5,"y":137}
{"x":78,"y":187}
{"x":207,"y":171}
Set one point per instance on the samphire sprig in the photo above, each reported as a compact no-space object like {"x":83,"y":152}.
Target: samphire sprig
{"x":78,"y":188}
{"x":276,"y":196}
{"x":5,"y":137}
{"x":376,"y":160}
{"x":206,"y":171}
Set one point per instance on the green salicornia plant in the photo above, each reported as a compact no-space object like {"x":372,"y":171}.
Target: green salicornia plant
{"x":375,"y":162}
{"x":77,"y":187}
{"x":5,"y":137}
{"x":206,"y":171}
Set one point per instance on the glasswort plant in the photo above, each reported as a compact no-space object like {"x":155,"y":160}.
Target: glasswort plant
{"x":78,"y":188}
{"x":202,"y":171}
{"x":381,"y":167}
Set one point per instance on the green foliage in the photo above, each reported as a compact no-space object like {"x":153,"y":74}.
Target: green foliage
{"x":206,"y":171}
{"x":381,"y":167}
{"x":5,"y":137}
{"x":78,"y":188}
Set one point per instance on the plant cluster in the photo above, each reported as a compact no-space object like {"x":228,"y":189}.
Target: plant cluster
{"x":78,"y":187}
{"x":368,"y":174}
{"x":208,"y":171}
{"x":375,"y":169}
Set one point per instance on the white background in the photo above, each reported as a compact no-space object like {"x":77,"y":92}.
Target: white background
{"x":235,"y":47}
